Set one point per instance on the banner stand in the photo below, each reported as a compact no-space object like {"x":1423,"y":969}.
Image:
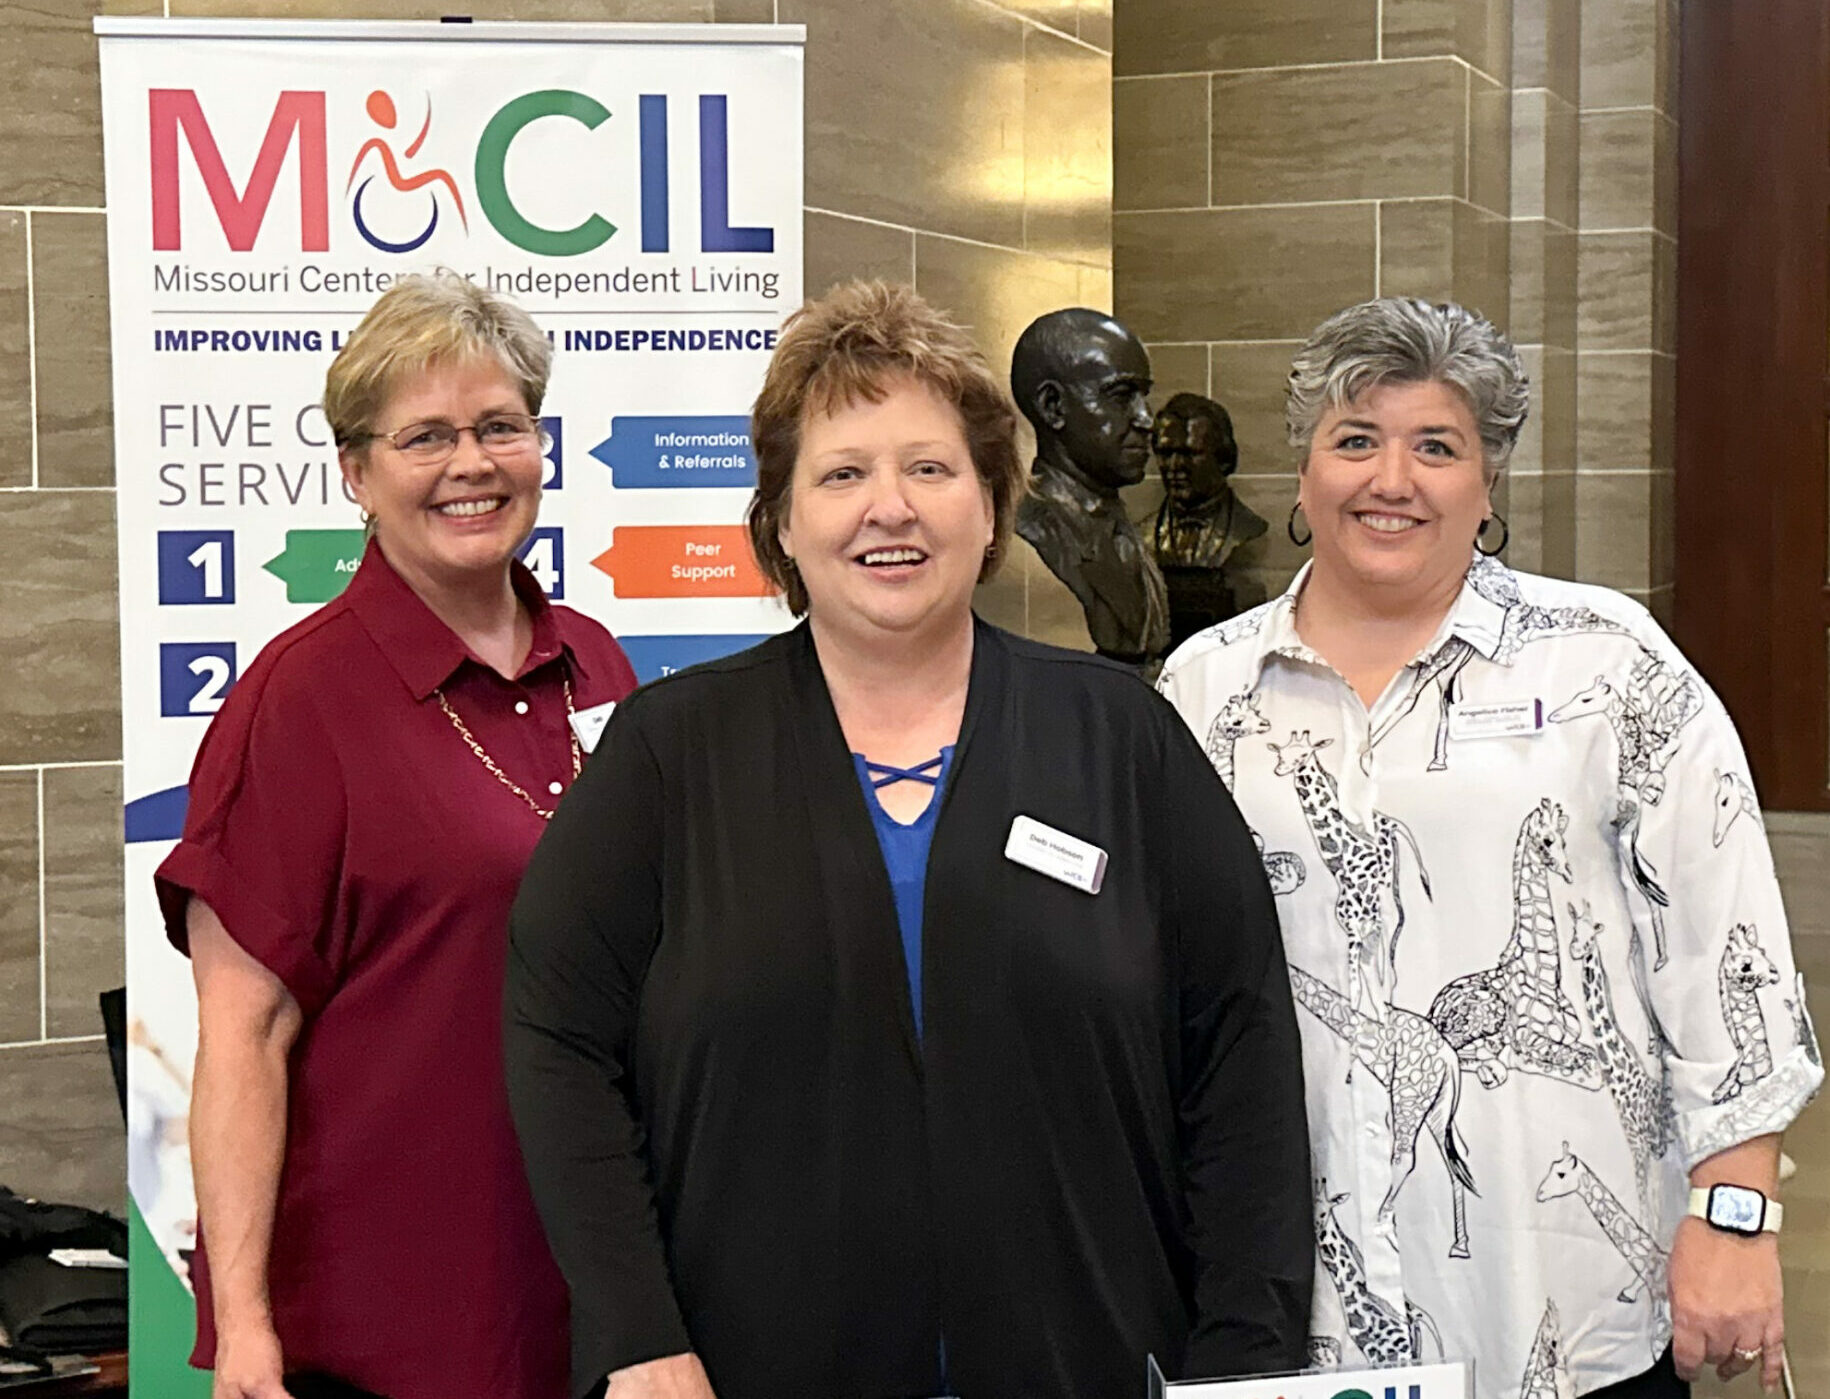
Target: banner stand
{"x":637,"y":188}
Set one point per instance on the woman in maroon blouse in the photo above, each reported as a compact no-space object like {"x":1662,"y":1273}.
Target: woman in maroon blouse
{"x":360,"y":814}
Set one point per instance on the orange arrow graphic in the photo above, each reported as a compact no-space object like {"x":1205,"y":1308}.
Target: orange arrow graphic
{"x":682,"y":561}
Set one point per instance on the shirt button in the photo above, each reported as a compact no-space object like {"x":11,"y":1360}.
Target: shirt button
{"x":520,"y":706}
{"x":555,"y":787}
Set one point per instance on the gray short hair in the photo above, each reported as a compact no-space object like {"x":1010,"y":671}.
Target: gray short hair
{"x":1404,"y":340}
{"x":426,"y":320}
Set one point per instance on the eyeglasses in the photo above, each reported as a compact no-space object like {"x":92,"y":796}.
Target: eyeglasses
{"x":500,"y":435}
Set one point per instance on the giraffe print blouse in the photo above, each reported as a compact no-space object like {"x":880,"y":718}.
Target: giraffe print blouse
{"x":1540,"y":960}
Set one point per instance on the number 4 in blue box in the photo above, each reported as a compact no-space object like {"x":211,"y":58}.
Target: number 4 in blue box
{"x":196,"y":566}
{"x":194,"y":677}
{"x":545,"y":557}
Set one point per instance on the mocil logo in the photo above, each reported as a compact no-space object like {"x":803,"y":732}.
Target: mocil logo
{"x":298,"y":119}
{"x":381,"y":111}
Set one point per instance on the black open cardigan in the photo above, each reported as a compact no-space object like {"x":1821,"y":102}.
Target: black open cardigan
{"x":740,"y":1148}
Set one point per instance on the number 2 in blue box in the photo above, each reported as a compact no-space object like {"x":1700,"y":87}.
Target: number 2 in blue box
{"x":194,"y":677}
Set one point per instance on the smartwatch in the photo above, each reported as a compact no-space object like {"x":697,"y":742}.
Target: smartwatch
{"x":1737,"y":1209}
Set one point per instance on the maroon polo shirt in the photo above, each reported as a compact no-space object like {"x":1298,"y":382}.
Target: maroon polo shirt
{"x":353,"y":843}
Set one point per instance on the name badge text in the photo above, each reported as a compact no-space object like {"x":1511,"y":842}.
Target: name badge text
{"x":1056,"y":854}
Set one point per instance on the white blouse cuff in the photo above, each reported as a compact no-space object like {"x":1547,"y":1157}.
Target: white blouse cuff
{"x":1763,"y":1107}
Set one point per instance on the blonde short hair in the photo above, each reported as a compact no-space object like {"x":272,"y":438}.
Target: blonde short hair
{"x":846,"y":347}
{"x":424,"y":321}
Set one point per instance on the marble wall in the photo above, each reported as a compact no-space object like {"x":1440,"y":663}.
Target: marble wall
{"x":1278,"y":161}
{"x":1627,"y":298}
{"x":1228,"y":173}
{"x":1275,"y":161}
{"x":962,"y":144}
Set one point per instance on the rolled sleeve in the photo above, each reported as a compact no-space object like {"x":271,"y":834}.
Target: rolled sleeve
{"x":264,"y":838}
{"x":1709,"y":855}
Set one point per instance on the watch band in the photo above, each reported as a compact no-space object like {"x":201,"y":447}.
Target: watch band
{"x":1699,"y":1207}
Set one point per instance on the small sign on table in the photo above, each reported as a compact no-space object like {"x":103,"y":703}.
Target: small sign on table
{"x":1446,"y":1381}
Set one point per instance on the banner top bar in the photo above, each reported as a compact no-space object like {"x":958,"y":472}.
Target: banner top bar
{"x":494,"y":31}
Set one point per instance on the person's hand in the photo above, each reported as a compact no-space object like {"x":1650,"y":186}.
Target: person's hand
{"x":249,"y":1365}
{"x":670,"y":1377}
{"x":1726,"y":1297}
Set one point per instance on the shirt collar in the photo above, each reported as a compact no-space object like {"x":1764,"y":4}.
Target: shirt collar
{"x":1478,"y":617}
{"x":423,"y":651}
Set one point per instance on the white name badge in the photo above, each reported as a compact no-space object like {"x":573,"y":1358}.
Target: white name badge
{"x":588,"y":724}
{"x":1506,"y":719}
{"x":1449,"y":1381}
{"x":1057,"y":854}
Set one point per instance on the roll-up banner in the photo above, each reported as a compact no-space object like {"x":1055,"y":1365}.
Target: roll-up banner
{"x":637,"y":188}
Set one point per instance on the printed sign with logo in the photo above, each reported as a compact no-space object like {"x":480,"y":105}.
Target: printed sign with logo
{"x":1453,"y":1380}
{"x":636,"y":188}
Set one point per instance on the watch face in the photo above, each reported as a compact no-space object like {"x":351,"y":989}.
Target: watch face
{"x":1737,"y":1208}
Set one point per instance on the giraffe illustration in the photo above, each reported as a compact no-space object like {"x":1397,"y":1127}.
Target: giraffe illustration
{"x":1364,"y":864}
{"x":1521,"y":624}
{"x":1514,"y":1015}
{"x":1235,"y":629}
{"x":1442,"y":669}
{"x":1641,"y":871}
{"x":1734,"y":799}
{"x":1637,"y":1099}
{"x":1743,"y":970}
{"x":1324,"y":1353}
{"x":1413,"y":1063}
{"x":1384,"y":1337}
{"x":1802,"y":1029}
{"x":1547,"y":1373}
{"x":1283,"y":868}
{"x":1526,"y":622}
{"x":1238,"y":718}
{"x":1646,"y":715}
{"x":1570,"y":1176}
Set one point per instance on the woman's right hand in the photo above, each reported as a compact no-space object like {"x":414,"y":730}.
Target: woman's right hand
{"x":671,"y":1377}
{"x":249,"y":1365}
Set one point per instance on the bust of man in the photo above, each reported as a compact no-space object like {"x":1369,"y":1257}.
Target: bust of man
{"x":1083,"y":381}
{"x":1201,"y":522}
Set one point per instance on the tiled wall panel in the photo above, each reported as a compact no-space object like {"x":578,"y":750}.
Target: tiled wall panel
{"x":963,"y":145}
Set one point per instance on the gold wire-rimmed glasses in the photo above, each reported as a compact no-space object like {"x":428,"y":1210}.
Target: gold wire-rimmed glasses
{"x":428,"y":443}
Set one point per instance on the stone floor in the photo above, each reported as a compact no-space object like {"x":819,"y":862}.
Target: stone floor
{"x":1801,"y":849}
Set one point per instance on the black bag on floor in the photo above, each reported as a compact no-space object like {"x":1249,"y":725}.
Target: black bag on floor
{"x":50,"y":1308}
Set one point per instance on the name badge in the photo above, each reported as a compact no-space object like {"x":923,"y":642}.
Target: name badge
{"x":1057,"y":854}
{"x":588,"y":724}
{"x":1506,"y":719}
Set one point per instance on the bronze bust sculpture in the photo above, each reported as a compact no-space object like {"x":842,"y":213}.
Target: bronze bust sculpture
{"x":1083,"y":381}
{"x":1201,"y":521}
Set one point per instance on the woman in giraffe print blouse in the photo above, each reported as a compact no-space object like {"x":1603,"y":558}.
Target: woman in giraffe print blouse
{"x":1545,"y":982}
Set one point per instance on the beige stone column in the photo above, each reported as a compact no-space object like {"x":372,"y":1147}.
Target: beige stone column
{"x":1627,"y":287}
{"x":1275,"y":161}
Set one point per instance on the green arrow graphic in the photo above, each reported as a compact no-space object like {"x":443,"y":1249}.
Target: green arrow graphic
{"x":318,"y":563}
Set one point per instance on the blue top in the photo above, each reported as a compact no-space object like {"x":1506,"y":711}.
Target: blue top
{"x":905,"y":850}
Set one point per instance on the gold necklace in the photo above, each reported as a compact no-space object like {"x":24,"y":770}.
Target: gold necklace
{"x":578,"y":762}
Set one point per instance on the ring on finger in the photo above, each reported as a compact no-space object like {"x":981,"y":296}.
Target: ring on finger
{"x":1748,"y":1354}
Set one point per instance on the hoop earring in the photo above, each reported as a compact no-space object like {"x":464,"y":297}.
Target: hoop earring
{"x":1505,"y":535}
{"x":1290,"y":527}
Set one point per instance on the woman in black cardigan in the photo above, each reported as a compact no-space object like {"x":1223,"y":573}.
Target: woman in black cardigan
{"x":897,"y":1008}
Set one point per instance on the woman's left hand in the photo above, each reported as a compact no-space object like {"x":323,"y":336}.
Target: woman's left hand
{"x":1727,"y":1296}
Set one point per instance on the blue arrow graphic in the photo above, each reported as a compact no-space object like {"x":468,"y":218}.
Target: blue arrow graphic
{"x":690,"y":452}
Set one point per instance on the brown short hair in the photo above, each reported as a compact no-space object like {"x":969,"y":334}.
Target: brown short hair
{"x":425,"y":320}
{"x":845,"y":347}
